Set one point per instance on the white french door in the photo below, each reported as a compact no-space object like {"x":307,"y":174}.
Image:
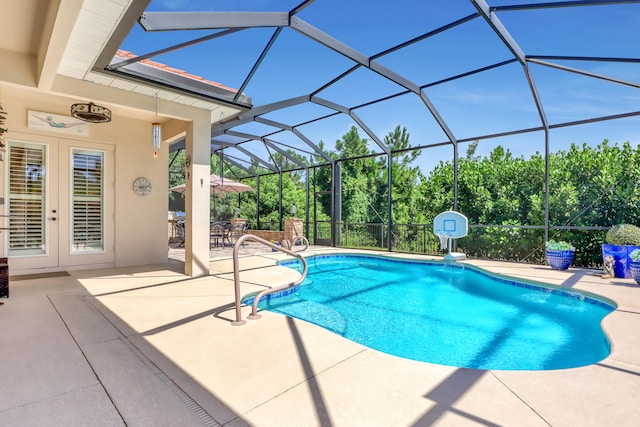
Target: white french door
{"x":59,"y":202}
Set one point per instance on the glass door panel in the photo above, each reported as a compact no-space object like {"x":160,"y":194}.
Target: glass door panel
{"x":27,"y":199}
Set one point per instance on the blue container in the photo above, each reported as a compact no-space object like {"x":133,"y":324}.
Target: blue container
{"x":634,"y":267}
{"x":620,"y":254}
{"x":559,"y":260}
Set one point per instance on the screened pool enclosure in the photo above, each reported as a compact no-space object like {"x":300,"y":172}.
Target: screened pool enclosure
{"x":373,"y":117}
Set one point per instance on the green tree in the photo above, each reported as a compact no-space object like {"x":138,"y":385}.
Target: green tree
{"x":589,"y":186}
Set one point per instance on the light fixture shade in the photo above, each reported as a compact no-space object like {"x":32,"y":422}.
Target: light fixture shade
{"x":156,"y":134}
{"x":91,"y":112}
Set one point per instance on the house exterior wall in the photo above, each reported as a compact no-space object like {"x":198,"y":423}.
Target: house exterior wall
{"x":51,"y":61}
{"x":139,"y":222}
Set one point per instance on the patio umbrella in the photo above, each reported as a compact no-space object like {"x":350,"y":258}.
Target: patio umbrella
{"x":219,"y":185}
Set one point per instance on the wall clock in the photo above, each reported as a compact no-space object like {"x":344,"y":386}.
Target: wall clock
{"x":142,"y":186}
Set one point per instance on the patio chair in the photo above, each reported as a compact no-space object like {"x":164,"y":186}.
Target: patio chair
{"x":178,"y":232}
{"x":238,"y":231}
{"x":217,"y":234}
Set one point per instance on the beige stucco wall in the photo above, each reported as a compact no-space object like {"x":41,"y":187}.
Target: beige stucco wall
{"x":140,"y":221}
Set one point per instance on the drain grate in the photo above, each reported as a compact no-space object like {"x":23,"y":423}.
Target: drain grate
{"x":191,"y":404}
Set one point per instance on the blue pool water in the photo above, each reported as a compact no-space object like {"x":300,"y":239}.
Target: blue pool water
{"x":448,"y":314}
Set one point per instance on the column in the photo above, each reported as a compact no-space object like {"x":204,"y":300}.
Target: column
{"x":198,"y":146}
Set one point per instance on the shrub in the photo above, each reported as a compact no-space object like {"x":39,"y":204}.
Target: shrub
{"x":635,"y":255}
{"x":552,"y":245}
{"x":624,"y":234}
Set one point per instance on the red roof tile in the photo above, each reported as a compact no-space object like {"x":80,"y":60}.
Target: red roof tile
{"x":128,"y":55}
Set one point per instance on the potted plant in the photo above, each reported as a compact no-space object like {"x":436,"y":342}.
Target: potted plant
{"x":621,"y":240}
{"x":634,"y":265}
{"x":559,"y":254}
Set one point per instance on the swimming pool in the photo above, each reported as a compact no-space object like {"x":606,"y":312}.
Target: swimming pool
{"x":449,"y":314}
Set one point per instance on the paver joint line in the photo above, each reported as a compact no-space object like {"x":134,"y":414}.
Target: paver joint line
{"x":86,"y":359}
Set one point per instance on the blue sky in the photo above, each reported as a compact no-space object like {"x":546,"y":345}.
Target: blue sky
{"x":498,"y":100}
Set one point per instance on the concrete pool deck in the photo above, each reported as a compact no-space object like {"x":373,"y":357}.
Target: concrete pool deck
{"x":149,"y":346}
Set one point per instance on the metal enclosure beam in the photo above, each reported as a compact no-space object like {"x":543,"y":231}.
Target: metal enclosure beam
{"x":243,"y":135}
{"x":115,"y":66}
{"x":257,"y":159}
{"x":493,"y":21}
{"x":250,"y":116}
{"x":536,"y":97}
{"x":584,"y":73}
{"x":345,"y":50}
{"x":354,"y":117}
{"x":330,"y":104}
{"x":559,"y":4}
{"x":369,"y":132}
{"x":265,"y":141}
{"x":263,"y":55}
{"x":496,"y":25}
{"x":264,"y":109}
{"x":443,"y":125}
{"x":280,"y":201}
{"x":328,"y":41}
{"x":336,"y":204}
{"x":284,"y":153}
{"x":307,"y":141}
{"x":455,"y":176}
{"x":169,"y":21}
{"x":258,"y":203}
{"x":547,"y":170}
{"x":296,"y":133}
{"x":238,"y":165}
{"x":306,"y":203}
{"x":394,"y":77}
{"x":274,"y":124}
{"x":390,"y":201}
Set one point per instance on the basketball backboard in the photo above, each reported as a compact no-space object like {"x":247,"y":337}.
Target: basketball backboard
{"x":452,"y":224}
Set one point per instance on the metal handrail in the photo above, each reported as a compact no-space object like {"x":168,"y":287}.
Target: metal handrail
{"x":236,"y":276}
{"x":303,"y":241}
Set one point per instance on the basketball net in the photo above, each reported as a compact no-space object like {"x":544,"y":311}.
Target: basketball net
{"x":444,"y":240}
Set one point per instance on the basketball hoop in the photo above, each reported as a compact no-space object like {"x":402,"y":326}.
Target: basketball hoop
{"x":450,"y":225}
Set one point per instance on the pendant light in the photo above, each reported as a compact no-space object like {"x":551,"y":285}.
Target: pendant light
{"x":156,"y":131}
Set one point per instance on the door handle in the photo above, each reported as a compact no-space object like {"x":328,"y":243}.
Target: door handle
{"x":52,"y":218}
